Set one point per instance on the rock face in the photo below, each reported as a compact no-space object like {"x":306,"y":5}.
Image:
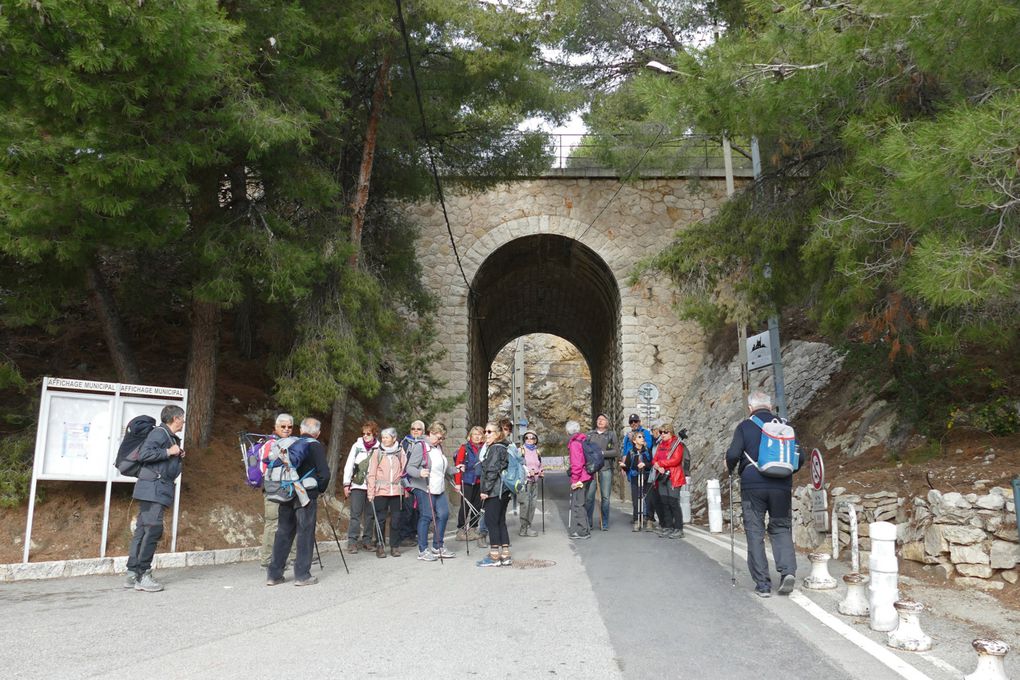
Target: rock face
{"x":557,"y":387}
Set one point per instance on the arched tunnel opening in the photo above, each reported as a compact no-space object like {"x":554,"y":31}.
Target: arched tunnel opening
{"x":546,"y":283}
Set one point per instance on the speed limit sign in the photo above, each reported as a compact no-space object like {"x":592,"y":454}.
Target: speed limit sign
{"x":817,"y":469}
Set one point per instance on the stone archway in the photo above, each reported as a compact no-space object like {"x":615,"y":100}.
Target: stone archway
{"x":546,"y":283}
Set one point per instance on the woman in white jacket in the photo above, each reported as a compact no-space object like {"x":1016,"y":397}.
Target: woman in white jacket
{"x":360,"y":529}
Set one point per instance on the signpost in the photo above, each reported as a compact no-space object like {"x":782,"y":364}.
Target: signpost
{"x":759,"y":351}
{"x":648,"y":394}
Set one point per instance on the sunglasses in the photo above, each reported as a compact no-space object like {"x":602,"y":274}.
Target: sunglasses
{"x":531,"y":439}
{"x":490,"y":432}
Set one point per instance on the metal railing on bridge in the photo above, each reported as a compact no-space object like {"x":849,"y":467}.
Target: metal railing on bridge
{"x":691,"y":154}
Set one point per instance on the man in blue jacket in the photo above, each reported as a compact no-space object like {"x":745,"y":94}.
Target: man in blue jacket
{"x":161,"y":455}
{"x":760,"y":495}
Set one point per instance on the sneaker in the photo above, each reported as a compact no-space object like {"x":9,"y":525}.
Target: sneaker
{"x":275,"y":581}
{"x":605,"y":527}
{"x":636,"y":527}
{"x":367,"y":547}
{"x":461,"y":535}
{"x":130,"y":579}
{"x":528,"y":532}
{"x":380,"y":552}
{"x":580,"y":537}
{"x":787,"y":584}
{"x":148,"y":584}
{"x":444,"y":553}
{"x":506,"y":560}
{"x":489,"y":561}
{"x":427,"y":555}
{"x":763,"y":590}
{"x":310,"y":581}
{"x":473,"y":534}
{"x":663,"y":533}
{"x":676,"y":533}
{"x":352,"y":547}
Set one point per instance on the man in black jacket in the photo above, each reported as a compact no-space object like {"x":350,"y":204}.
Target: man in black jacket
{"x":161,"y":455}
{"x":299,"y":520}
{"x":761,"y":495}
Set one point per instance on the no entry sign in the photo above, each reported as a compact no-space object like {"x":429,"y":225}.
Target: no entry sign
{"x":817,"y":469}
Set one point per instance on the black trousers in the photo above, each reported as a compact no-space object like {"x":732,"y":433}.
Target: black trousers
{"x":389,"y":506}
{"x":495,"y":519}
{"x":473,"y":494}
{"x":672,"y":517}
{"x":296,"y":524}
{"x":653,"y":502}
{"x":148,"y":531}
{"x":407,"y":523}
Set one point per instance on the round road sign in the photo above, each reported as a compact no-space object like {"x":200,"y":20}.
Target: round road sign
{"x":648,"y":392}
{"x":817,"y":469}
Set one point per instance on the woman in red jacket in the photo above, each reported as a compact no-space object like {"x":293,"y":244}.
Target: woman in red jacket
{"x":668,"y":464}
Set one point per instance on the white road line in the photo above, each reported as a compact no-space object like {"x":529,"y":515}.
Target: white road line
{"x":942,"y":665}
{"x":883,"y":655}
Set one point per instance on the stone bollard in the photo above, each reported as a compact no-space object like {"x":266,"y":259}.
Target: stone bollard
{"x":714,"y":506}
{"x":819,"y":578}
{"x":991,"y":654}
{"x":884,"y":587}
{"x":908,"y":635}
{"x":856,"y":602}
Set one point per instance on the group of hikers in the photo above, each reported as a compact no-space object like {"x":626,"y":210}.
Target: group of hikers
{"x":397,"y":488}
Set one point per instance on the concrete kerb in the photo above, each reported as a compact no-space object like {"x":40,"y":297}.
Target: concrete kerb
{"x":34,"y":571}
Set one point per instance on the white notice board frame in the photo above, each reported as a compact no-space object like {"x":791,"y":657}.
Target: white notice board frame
{"x":81,"y":423}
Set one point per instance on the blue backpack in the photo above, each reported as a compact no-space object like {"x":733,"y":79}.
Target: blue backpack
{"x":515,"y":475}
{"x":778,"y":455}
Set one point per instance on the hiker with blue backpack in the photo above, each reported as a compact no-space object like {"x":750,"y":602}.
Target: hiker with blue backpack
{"x":385,"y":489}
{"x":282,"y":427}
{"x":426,"y":476}
{"x":360,"y":528}
{"x":495,"y":497}
{"x":764,"y":453}
{"x":579,"y":526}
{"x":297,"y":516}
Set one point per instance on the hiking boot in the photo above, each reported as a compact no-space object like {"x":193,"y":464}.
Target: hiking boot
{"x":380,"y":551}
{"x":763,"y":590}
{"x":787,"y":584}
{"x":526,"y":530}
{"x":676,"y":533}
{"x":352,"y":547}
{"x":637,"y":526}
{"x":367,"y":546}
{"x":275,"y":581}
{"x":130,"y":579}
{"x":408,"y":543}
{"x":444,"y":553}
{"x":663,"y":532}
{"x":461,"y":535}
{"x":394,"y":552}
{"x":310,"y":581}
{"x":473,"y":534}
{"x":483,"y":540}
{"x":148,"y":584}
{"x":489,"y":561}
{"x":427,"y":555}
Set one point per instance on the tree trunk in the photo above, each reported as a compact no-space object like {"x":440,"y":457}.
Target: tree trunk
{"x":113,"y":326}
{"x":244,"y":325}
{"x":202,"y":367}
{"x":336,"y":432}
{"x":367,"y":158}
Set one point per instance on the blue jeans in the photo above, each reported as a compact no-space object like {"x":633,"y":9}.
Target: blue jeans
{"x":442,"y":507}
{"x":605,"y":484}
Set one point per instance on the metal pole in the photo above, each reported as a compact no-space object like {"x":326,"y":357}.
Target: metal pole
{"x":728,"y":164}
{"x":329,"y":520}
{"x":733,"y":563}
{"x":542,"y":490}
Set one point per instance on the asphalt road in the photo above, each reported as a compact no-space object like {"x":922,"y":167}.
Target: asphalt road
{"x":622,"y":605}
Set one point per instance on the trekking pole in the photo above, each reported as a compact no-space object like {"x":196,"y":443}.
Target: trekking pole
{"x":542,"y":491}
{"x":378,"y":527}
{"x":336,"y":538}
{"x":317,"y":555}
{"x":733,"y":567}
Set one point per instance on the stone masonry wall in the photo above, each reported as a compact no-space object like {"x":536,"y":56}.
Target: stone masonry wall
{"x":655,"y":345}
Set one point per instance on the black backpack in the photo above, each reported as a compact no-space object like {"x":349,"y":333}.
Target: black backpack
{"x":135,"y":433}
{"x":594,"y":457}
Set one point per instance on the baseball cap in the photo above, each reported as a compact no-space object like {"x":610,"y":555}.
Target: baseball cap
{"x":634,"y":418}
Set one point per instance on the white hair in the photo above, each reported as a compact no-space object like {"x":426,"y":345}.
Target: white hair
{"x":311,"y":426}
{"x":389,"y":432}
{"x":573,"y":427}
{"x":758,"y":400}
{"x":284,"y":418}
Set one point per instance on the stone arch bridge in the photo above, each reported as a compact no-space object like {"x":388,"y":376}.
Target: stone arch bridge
{"x":554,"y":255}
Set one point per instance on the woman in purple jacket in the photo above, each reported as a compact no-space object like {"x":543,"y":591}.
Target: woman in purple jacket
{"x":579,"y":481}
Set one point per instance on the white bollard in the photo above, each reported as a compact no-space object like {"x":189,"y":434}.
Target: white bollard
{"x":819,"y":578}
{"x":856,"y":601}
{"x":714,"y":506}
{"x":884,"y":588}
{"x":991,"y":654}
{"x":908,"y":635}
{"x":685,"y":503}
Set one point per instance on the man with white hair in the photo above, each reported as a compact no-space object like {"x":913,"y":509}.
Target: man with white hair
{"x":297,"y":522}
{"x":283,"y":427}
{"x":761,"y":495}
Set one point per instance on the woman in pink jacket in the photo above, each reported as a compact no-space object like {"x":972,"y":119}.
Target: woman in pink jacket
{"x":579,"y":481}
